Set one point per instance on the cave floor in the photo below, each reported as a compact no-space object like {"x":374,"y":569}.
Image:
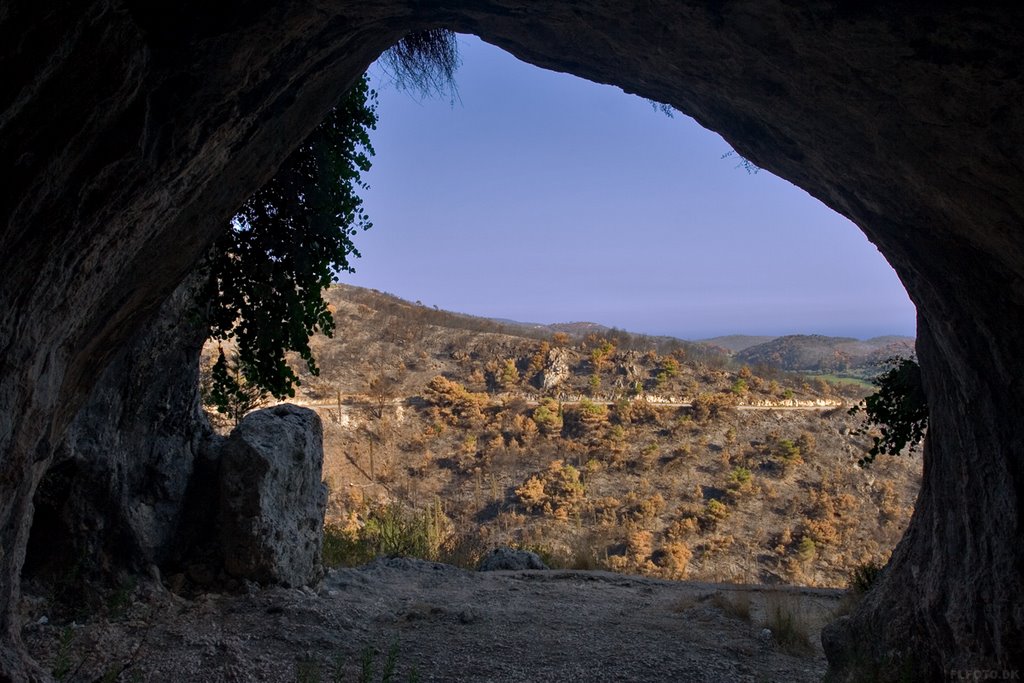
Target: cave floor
{"x":440,"y":623}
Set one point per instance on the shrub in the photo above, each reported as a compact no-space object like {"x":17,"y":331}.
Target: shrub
{"x":590,"y":411}
{"x":390,"y":529}
{"x":639,"y":547}
{"x":806,"y":550}
{"x":509,"y":376}
{"x":600,"y":354}
{"x":455,"y":403}
{"x":643,"y":510}
{"x":714,"y":513}
{"x":583,"y":419}
{"x":736,"y":604}
{"x":784,"y":452}
{"x":821,"y":531}
{"x":740,"y":477}
{"x":712,"y":406}
{"x":636,"y":412}
{"x":540,"y":357}
{"x":682,"y":528}
{"x":669,"y":367}
{"x":555,"y":490}
{"x":863,"y":577}
{"x":674,"y":559}
{"x":343,"y":548}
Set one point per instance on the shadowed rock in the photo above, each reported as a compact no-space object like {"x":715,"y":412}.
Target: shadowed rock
{"x":511,"y":559}
{"x":272,"y":497}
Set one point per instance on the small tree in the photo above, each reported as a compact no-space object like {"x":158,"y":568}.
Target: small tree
{"x":899,"y":409}
{"x":600,"y":354}
{"x":291,"y":238}
{"x":548,"y":417}
{"x":509,"y":377}
{"x":224,"y":388}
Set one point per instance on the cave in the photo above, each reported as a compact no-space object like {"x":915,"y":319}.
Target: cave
{"x":131,"y":131}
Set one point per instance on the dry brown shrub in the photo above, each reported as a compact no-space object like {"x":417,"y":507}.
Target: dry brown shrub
{"x":674,"y":559}
{"x":639,"y":547}
{"x":735,"y":604}
{"x":643,"y":509}
{"x":555,"y":491}
{"x":717,"y":544}
{"x":821,"y":531}
{"x":682,"y":528}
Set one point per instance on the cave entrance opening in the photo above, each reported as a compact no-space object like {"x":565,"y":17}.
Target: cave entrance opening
{"x":540,"y":197}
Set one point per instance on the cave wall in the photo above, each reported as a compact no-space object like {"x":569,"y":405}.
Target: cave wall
{"x":113,"y":498}
{"x":130,"y":131}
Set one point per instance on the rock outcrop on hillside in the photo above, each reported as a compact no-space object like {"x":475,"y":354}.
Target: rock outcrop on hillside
{"x":130,"y":132}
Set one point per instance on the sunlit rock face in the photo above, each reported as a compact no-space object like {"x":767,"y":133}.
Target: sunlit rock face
{"x":130,"y":131}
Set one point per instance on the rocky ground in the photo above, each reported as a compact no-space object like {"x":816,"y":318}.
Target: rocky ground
{"x":441,"y":623}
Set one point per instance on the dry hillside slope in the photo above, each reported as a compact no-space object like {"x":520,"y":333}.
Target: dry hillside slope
{"x":620,"y":452}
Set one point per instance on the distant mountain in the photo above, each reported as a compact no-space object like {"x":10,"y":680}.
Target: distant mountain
{"x":737,"y":342}
{"x":818,"y":353}
{"x":795,"y":353}
{"x":575,"y":329}
{"x":579,"y":329}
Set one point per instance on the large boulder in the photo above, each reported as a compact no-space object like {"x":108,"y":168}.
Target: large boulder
{"x":272,"y":497}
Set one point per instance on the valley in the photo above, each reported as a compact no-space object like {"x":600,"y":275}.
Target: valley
{"x":597,"y":450}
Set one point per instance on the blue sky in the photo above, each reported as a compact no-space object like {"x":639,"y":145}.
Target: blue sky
{"x":542,"y":197}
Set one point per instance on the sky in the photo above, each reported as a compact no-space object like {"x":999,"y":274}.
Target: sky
{"x":542,"y":197}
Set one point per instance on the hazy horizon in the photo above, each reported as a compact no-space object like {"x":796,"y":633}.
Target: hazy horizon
{"x":542,"y":197}
{"x":516,"y":321}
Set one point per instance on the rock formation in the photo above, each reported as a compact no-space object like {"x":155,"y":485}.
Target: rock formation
{"x":501,"y":559}
{"x":555,"y":370}
{"x":141,"y":480}
{"x":270,"y":521}
{"x":114,"y":497}
{"x":130,"y":131}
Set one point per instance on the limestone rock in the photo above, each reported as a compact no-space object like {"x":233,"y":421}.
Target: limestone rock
{"x":272,"y":497}
{"x":116,"y":491}
{"x":510,"y":559}
{"x":556,"y":370}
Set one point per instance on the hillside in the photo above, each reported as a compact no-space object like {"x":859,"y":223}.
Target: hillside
{"x":819,"y":354}
{"x":736,"y":342}
{"x":634,"y":454}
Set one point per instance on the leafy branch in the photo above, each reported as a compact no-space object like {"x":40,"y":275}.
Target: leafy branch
{"x":899,"y":409}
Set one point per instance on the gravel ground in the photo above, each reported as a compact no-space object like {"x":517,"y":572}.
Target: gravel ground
{"x":446,"y":624}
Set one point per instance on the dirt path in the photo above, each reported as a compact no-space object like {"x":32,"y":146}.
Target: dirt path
{"x":349,"y":401}
{"x":447,"y":624}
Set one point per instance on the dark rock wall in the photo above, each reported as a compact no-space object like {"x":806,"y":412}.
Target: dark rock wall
{"x":129,"y":131}
{"x":113,"y":497}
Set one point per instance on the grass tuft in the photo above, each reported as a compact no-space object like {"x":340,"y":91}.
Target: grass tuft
{"x":788,"y":624}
